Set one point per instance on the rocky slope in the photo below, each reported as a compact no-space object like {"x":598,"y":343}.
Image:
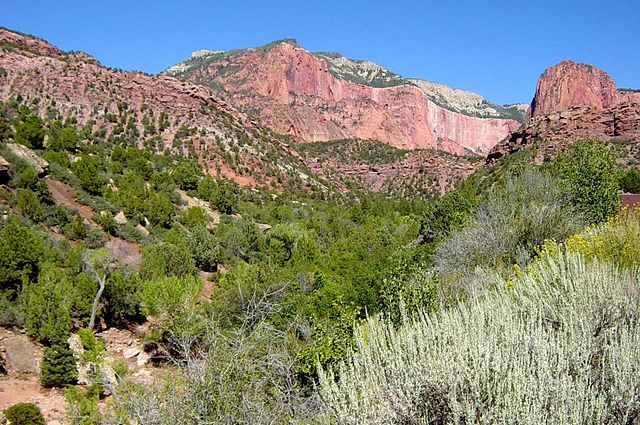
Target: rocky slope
{"x":325,"y":96}
{"x":572,"y":102}
{"x":131,"y":108}
{"x":166,"y":114}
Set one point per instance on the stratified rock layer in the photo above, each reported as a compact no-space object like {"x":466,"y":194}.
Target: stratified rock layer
{"x":570,"y":84}
{"x":295,"y":92}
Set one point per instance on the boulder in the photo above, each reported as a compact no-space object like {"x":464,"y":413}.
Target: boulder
{"x":27,"y":155}
{"x":130,"y":353}
{"x":21,"y":355}
{"x":142,"y":230}
{"x":120,"y":218}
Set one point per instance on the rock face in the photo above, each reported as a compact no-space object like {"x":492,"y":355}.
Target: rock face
{"x":573,"y":102}
{"x":21,"y":355}
{"x":320,"y":97}
{"x":570,"y":84}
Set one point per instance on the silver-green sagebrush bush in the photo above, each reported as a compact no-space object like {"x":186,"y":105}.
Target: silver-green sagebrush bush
{"x":512,"y":221}
{"x":559,"y":345}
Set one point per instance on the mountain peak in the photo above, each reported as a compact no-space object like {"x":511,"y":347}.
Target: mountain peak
{"x":568,"y":84}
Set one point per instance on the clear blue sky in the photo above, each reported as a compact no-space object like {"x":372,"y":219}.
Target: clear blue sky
{"x":495,"y":48}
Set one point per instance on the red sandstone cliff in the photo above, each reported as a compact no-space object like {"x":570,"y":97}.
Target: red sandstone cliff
{"x":572,"y":84}
{"x":294,"y":92}
{"x":572,"y":102}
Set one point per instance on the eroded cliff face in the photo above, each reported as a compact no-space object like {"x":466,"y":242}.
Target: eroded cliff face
{"x":570,"y":84}
{"x":298,"y":93}
{"x":573,"y":102}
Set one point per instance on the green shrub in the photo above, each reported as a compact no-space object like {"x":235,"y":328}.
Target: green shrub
{"x":507,"y":228}
{"x":24,"y":414}
{"x":62,"y":138}
{"x":82,"y":405}
{"x":194,"y":216}
{"x":29,"y":205}
{"x":58,"y":367}
{"x":630,"y":181}
{"x":169,"y":294}
{"x":93,"y":347}
{"x":187,"y":175}
{"x":87,"y":170}
{"x":108,"y":223}
{"x":166,"y":259}
{"x":406,"y":290}
{"x":591,"y":176}
{"x":30,"y":132}
{"x":121,"y":299}
{"x":21,"y":250}
{"x":204,"y":249}
{"x":76,"y":229}
{"x":47,"y":305}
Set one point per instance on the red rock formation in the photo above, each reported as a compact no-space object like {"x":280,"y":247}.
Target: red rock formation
{"x":293,"y":92}
{"x":76,"y":85}
{"x":570,"y":84}
{"x":572,"y":102}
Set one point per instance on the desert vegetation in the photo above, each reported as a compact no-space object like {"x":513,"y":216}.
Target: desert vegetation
{"x":512,"y":295}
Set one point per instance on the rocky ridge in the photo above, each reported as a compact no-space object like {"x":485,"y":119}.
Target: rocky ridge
{"x":135,"y":108}
{"x":573,"y":102}
{"x":319,"y":97}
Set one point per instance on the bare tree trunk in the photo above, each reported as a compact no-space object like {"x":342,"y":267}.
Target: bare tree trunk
{"x":94,"y":308}
{"x":99,"y":268}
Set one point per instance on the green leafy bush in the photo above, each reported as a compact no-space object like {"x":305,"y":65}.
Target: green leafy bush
{"x":169,"y":294}
{"x":87,"y":170}
{"x":166,"y":259}
{"x":630,"y":181}
{"x":204,"y":248}
{"x":507,"y":228}
{"x":30,"y":131}
{"x":21,"y":250}
{"x":47,"y":305}
{"x":591,"y":176}
{"x":24,"y":414}
{"x":82,"y":405}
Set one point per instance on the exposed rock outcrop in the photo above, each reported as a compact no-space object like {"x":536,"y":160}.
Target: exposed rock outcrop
{"x":328,"y":97}
{"x":572,"y":102}
{"x":27,"y":155}
{"x":570,"y":84}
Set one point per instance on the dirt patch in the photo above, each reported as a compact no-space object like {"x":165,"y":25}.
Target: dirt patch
{"x":124,"y":251}
{"x":65,"y":195}
{"x":28,"y":390}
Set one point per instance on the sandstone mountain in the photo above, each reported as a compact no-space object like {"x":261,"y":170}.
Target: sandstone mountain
{"x":179,"y":117}
{"x":577,"y":101}
{"x":326,"y":96}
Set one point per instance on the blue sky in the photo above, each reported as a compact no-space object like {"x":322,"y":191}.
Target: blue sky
{"x":494,"y":48}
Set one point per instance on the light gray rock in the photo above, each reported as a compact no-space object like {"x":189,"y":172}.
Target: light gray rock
{"x":142,"y":230}
{"x":120,"y":218}
{"x":130,"y":353}
{"x":27,"y":155}
{"x":21,"y":355}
